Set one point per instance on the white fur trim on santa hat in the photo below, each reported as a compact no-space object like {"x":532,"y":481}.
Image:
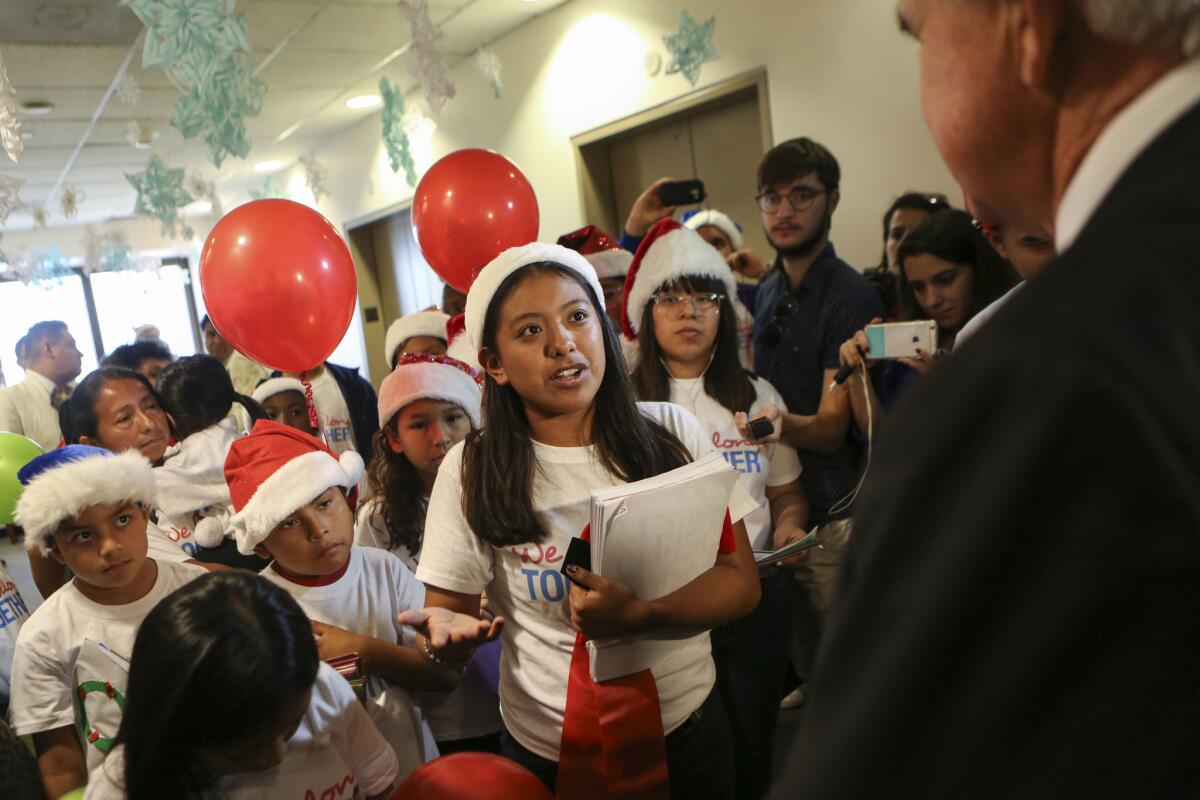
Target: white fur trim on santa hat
{"x":422,"y":323}
{"x":428,"y":381}
{"x":674,"y":255}
{"x":508,"y":262}
{"x":273,"y":386}
{"x":710,"y":216}
{"x":69,"y":488}
{"x":462,"y":349}
{"x":611,"y":263}
{"x":295,"y":484}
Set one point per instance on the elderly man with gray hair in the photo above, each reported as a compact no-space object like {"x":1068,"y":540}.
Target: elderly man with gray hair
{"x":1018,"y":607}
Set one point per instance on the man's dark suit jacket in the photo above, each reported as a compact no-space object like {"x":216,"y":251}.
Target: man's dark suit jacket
{"x":1019,"y":608}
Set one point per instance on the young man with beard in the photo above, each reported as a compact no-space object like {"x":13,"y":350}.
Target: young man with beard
{"x":804,"y":305}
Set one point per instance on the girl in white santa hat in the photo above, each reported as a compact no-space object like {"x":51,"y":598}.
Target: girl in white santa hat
{"x":559,"y":421}
{"x":679,"y":308}
{"x":427,"y":405}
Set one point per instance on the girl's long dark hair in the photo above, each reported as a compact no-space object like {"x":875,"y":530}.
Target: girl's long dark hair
{"x":498,"y":460}
{"x":725,"y":380}
{"x":198,"y":393}
{"x":399,"y":493}
{"x":215,"y":661}
{"x":951,"y":235}
{"x":77,"y":416}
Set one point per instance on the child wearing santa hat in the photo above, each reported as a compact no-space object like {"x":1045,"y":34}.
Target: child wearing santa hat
{"x":283,"y":400}
{"x":294,"y":500}
{"x":422,"y":332}
{"x":559,"y":421}
{"x":86,"y":508}
{"x":426,"y":406}
{"x":610,"y":261}
{"x":679,"y":306}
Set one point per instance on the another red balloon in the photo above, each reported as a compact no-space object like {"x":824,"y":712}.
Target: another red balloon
{"x":469,"y":207}
{"x":468,"y":776}
{"x":279,"y":283}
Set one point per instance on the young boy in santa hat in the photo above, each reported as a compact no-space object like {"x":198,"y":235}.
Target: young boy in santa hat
{"x":610,"y":261}
{"x":283,"y":400}
{"x":295,"y":504}
{"x":422,"y":332}
{"x":86,"y":508}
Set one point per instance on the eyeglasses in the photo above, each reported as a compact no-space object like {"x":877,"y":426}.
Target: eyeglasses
{"x":800,"y":199}
{"x":785,"y":309}
{"x":700,"y":302}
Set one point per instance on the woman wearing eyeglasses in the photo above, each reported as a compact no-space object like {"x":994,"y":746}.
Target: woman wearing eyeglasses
{"x":678,"y":310}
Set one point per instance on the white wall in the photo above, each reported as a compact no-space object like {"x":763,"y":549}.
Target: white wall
{"x":838,"y":71}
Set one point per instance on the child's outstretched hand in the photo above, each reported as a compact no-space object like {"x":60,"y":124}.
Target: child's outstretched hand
{"x":458,"y":634}
{"x":602,"y":608}
{"x":333,"y":641}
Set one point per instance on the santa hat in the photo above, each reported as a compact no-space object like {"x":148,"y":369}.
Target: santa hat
{"x":276,"y":470}
{"x":63,"y":482}
{"x":669,"y":252}
{"x":710,"y":216}
{"x":422,"y":323}
{"x":609,"y":259}
{"x":479,"y":299}
{"x":273,"y":386}
{"x":458,"y":344}
{"x":418,"y":376}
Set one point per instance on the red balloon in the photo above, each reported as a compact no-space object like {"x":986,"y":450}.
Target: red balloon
{"x":468,"y":776}
{"x":469,"y":207}
{"x":279,"y":283}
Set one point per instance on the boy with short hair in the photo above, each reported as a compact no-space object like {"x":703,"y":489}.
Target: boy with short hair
{"x":86,"y":508}
{"x":294,"y":500}
{"x":283,"y":400}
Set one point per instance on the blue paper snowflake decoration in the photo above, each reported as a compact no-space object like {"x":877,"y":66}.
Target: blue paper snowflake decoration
{"x":160,"y":194}
{"x":182,"y":36}
{"x":395,"y":138}
{"x":691,"y":46}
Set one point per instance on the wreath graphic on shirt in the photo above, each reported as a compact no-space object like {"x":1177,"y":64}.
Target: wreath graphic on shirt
{"x":90,"y":734}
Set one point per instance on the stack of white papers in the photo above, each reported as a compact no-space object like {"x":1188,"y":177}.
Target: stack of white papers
{"x":656,"y":536}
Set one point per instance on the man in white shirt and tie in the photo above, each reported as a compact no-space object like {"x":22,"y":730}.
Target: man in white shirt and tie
{"x":52,"y":361}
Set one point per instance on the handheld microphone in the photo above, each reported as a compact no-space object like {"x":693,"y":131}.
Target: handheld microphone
{"x":846,"y":370}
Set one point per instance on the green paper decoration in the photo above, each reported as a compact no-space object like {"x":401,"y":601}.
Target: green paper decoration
{"x":217,"y":109}
{"x":691,"y":46}
{"x":394,"y":137}
{"x":268,"y":190}
{"x":160,"y":194}
{"x":200,"y":43}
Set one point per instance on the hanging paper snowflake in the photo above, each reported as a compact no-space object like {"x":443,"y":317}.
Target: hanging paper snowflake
{"x":217,"y":109}
{"x":183,"y":35}
{"x":10,"y":122}
{"x":45,"y":265}
{"x":37,"y":212}
{"x":128,"y":91}
{"x":691,"y":46}
{"x":10,"y":196}
{"x":268,"y":190}
{"x":105,"y":252}
{"x":69,"y":200}
{"x":160,"y":193}
{"x":431,"y":69}
{"x":197,"y":187}
{"x":489,"y":64}
{"x":314,"y":177}
{"x":394,"y":138}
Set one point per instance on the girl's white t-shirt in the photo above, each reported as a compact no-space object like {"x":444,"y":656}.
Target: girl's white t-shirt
{"x":71,"y":642}
{"x":365,"y":600}
{"x":471,"y":708}
{"x":524,"y":584}
{"x":335,"y":753}
{"x":762,"y":466}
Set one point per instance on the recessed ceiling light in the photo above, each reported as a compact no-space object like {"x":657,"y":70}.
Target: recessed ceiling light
{"x":27,"y":136}
{"x":363,"y":101}
{"x":36,"y":108}
{"x":267,"y":166}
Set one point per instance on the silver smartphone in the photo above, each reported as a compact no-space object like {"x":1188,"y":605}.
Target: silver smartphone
{"x":901,"y":339}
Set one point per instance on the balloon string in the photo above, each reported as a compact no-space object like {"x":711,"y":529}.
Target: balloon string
{"x":312,"y":407}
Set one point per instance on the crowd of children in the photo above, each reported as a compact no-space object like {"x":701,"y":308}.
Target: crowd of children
{"x":423,"y":564}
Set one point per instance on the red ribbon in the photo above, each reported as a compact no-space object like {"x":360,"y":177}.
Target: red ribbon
{"x":312,"y":407}
{"x":613,"y":744}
